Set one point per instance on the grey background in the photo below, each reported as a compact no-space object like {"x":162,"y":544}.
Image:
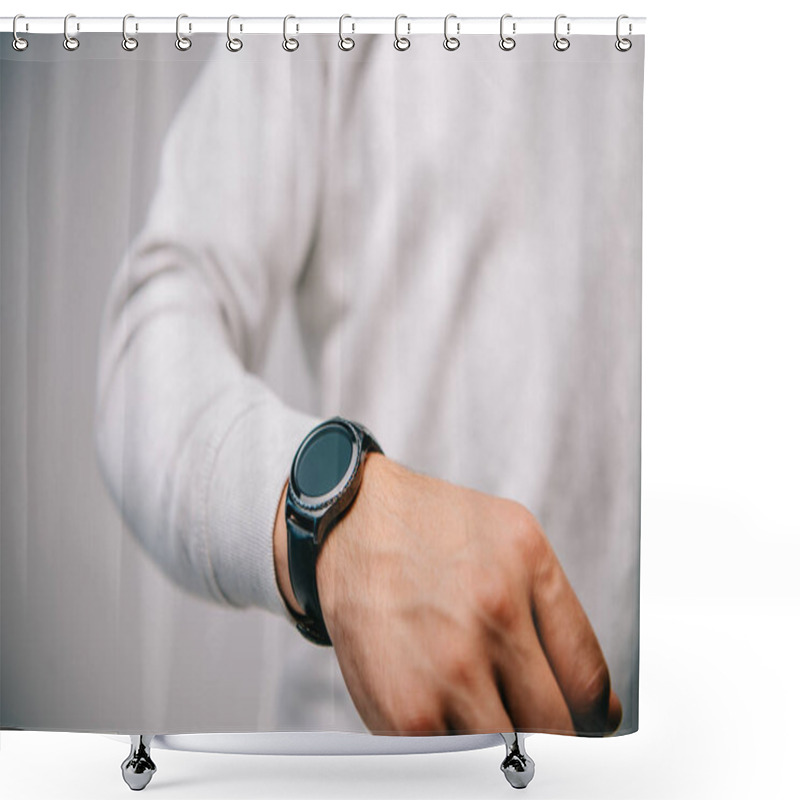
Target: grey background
{"x":92,"y":633}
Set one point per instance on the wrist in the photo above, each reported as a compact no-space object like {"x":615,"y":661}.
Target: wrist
{"x":281,"y":556}
{"x":347,"y":541}
{"x":375,"y":468}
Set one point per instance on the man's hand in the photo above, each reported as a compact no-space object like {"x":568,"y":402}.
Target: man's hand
{"x":449,"y":612}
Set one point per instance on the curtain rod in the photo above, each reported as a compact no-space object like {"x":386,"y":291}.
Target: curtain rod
{"x":255,"y":25}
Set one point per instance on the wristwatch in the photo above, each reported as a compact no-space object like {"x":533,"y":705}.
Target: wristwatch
{"x":323,"y":482}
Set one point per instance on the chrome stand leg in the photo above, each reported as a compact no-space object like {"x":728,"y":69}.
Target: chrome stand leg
{"x":517,"y":766}
{"x":138,"y":768}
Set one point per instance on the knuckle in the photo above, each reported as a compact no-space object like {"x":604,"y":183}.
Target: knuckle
{"x":530,"y":542}
{"x":524,"y":527}
{"x":459,"y":666}
{"x":526,"y":536}
{"x":498,"y":603}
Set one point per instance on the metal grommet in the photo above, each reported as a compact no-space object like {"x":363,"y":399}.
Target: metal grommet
{"x":622,"y":44}
{"x":18,"y":43}
{"x":70,"y":42}
{"x":507,"y":42}
{"x":561,"y":43}
{"x":233,"y":44}
{"x":401,"y":43}
{"x":451,"y":42}
{"x":183,"y":43}
{"x":129,"y":43}
{"x":346,"y":42}
{"x":290,"y":44}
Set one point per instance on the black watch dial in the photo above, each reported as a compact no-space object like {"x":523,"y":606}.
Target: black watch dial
{"x":324,"y":463}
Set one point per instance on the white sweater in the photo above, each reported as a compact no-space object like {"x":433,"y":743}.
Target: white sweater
{"x":443,"y":246}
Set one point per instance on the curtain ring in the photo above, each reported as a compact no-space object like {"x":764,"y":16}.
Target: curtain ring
{"x":129,"y":43}
{"x":290,"y":44}
{"x":346,"y":42}
{"x":70,"y":42}
{"x":182,"y":42}
{"x":561,"y":43}
{"x":18,"y":43}
{"x":451,"y":42}
{"x":233,"y":44}
{"x":401,"y":42}
{"x":507,"y":42}
{"x":622,"y":44}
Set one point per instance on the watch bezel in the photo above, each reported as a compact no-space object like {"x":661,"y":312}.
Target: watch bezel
{"x":316,"y":503}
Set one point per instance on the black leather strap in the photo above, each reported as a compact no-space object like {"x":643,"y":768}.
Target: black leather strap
{"x":303,"y":553}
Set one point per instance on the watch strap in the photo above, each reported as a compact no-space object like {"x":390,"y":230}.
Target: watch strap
{"x":302,"y":552}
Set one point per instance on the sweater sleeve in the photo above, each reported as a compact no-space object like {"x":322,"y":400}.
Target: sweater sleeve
{"x":194,"y":447}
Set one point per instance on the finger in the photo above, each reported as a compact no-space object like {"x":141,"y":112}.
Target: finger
{"x":570,"y":644}
{"x":530,"y":691}
{"x":614,"y":713}
{"x":417,"y":718}
{"x":477,"y":708}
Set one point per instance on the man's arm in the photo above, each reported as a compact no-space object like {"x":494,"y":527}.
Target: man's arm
{"x":448,"y":610}
{"x":193,"y":446}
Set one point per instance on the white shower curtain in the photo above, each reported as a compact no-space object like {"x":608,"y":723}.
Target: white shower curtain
{"x":207,"y":253}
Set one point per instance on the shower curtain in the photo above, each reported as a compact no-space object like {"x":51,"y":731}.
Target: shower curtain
{"x":206,"y":253}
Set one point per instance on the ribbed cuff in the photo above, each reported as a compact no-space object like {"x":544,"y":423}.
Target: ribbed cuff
{"x":241,"y":478}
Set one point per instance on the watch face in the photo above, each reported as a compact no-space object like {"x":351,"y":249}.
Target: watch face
{"x":324,"y":462}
